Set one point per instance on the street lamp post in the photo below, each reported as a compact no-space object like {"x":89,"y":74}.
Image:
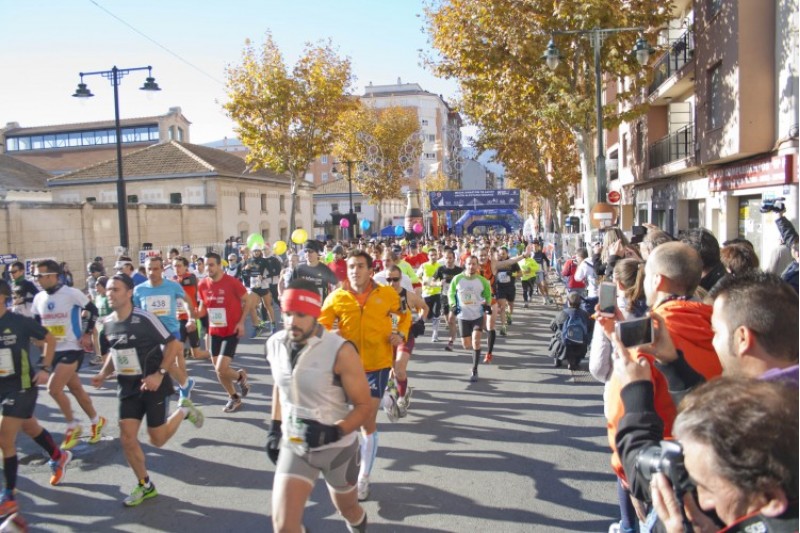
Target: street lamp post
{"x":115,"y":75}
{"x":349,"y":165}
{"x":641,"y":51}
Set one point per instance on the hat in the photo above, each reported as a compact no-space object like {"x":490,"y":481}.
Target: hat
{"x":312,"y":246}
{"x":397,"y":249}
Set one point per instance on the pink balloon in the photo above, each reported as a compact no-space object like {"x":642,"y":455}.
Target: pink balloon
{"x":417,"y":228}
{"x":344,"y":223}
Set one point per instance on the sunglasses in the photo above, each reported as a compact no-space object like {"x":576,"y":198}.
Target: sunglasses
{"x":392,"y":280}
{"x":39,"y":276}
{"x":14,"y":271}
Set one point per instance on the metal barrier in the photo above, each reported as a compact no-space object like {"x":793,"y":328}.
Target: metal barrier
{"x":680,"y":52}
{"x":673,"y":147}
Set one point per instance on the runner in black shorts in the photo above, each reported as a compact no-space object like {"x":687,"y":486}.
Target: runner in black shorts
{"x":18,"y":392}
{"x":134,"y":340}
{"x":466,"y":327}
{"x":446,"y":273}
{"x":505,"y":288}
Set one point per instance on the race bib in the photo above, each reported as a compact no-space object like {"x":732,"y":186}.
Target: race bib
{"x":468,"y":298}
{"x":217,"y":317}
{"x":59,"y":331}
{"x":126,"y":362}
{"x":296,"y":430}
{"x":6,"y":363}
{"x":158,"y":305}
{"x":503,"y":277}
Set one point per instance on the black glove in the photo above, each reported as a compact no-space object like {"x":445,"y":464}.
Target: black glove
{"x":274,"y":441}
{"x":321,"y":434}
{"x":487,"y":309}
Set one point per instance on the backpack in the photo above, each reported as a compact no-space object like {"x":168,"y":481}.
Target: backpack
{"x":575,"y":330}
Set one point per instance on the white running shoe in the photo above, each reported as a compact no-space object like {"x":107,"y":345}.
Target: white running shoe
{"x":363,"y":488}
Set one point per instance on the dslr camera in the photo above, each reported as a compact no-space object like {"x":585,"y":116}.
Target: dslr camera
{"x":666,"y":458}
{"x":775,"y":205}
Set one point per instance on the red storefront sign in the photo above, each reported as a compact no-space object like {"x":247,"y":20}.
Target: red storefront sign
{"x":761,"y":172}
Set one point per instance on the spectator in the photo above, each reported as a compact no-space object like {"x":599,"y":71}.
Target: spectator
{"x":707,"y":246}
{"x":569,"y":270}
{"x":66,"y":275}
{"x":654,"y":237}
{"x":739,"y":258}
{"x":565,"y":345}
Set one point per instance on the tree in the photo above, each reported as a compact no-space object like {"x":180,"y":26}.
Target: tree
{"x":284,"y":118}
{"x":494,"y":47}
{"x":436,"y":182}
{"x":387,"y":142}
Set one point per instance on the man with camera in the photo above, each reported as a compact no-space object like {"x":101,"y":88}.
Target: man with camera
{"x":787,"y":267}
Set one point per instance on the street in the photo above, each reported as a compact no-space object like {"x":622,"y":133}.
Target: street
{"x":524,"y":449}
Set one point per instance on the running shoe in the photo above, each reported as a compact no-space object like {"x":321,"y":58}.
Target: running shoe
{"x":503,"y":331}
{"x":508,"y":319}
{"x":194,"y":415}
{"x":96,"y":360}
{"x":474,"y":377}
{"x":96,"y":430}
{"x":244,"y":387}
{"x":525,"y":305}
{"x":435,"y":337}
{"x":488,"y":358}
{"x":363,"y":488}
{"x":389,"y":403}
{"x":140,"y":494}
{"x":8,"y":504}
{"x":449,"y":347}
{"x":71,"y":437}
{"x":59,"y":467}
{"x":234,"y":403}
{"x":186,"y":392}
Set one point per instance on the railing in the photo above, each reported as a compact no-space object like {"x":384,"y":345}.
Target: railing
{"x":673,"y":147}
{"x":680,"y":52}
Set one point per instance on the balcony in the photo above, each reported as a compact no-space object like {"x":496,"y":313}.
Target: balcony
{"x":680,"y":53}
{"x":673,"y":147}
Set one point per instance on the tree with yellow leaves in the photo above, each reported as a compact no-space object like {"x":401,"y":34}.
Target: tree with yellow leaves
{"x":285,"y":118}
{"x":388,"y":144}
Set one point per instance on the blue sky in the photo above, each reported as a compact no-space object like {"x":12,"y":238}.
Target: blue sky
{"x":46,"y":43}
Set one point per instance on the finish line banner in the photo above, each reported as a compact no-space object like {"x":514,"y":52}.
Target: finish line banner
{"x":474,"y":199}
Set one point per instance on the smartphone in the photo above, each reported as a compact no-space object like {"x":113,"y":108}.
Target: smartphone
{"x":608,"y":298}
{"x":635,"y":332}
{"x":638,"y":230}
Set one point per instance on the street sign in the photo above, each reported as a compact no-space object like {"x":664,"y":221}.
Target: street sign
{"x":614,"y":197}
{"x":474,"y":199}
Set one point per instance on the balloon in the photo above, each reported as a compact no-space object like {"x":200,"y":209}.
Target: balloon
{"x":364,"y":225}
{"x":299,"y":236}
{"x":399,"y":230}
{"x":417,"y":228}
{"x":279,"y":247}
{"x":255,"y":239}
{"x":344,"y":223}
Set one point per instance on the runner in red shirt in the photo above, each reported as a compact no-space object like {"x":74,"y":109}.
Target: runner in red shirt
{"x":225,"y":300}
{"x":414,"y":257}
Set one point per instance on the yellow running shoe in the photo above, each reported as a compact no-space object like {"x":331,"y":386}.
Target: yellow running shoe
{"x":71,"y":437}
{"x":96,"y":430}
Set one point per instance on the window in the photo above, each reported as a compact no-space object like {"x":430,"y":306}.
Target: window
{"x":243,"y":235}
{"x":242,"y":205}
{"x":180,"y":134}
{"x":432,"y":137}
{"x":714,"y":97}
{"x":335,"y":207}
{"x":282,"y":204}
{"x":357,"y":207}
{"x":324,"y":177}
{"x":171,"y":133}
{"x":283,"y":235}
{"x":265,"y":235}
{"x":424,"y":122}
{"x":430,"y":155}
{"x":323,"y":159}
{"x":263,"y":203}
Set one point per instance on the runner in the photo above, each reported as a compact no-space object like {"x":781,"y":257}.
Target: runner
{"x":316,"y":374}
{"x":59,"y":309}
{"x":160,"y":297}
{"x":529,"y":268}
{"x":541,"y":276}
{"x":23,"y":290}
{"x":432,"y":291}
{"x":445,"y":275}
{"x":363,"y":310}
{"x":390,"y":260}
{"x":134,"y":340}
{"x":470,"y":297}
{"x":225,"y":300}
{"x":18,"y":392}
{"x":188,"y":282}
{"x":316,"y":272}
{"x":274,"y":267}
{"x":505,"y":288}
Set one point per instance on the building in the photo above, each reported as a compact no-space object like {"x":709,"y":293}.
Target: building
{"x":721,"y":134}
{"x":63,"y":148}
{"x":20,"y":181}
{"x":332,"y":199}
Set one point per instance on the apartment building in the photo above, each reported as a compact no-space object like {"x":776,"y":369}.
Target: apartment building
{"x":721,"y":133}
{"x":63,"y":148}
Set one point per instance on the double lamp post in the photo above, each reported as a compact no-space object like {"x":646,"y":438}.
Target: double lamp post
{"x":115,"y":75}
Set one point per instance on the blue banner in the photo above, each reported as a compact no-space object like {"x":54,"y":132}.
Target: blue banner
{"x":474,"y":199}
{"x":7,"y":259}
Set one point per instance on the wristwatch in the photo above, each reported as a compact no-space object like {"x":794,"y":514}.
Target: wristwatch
{"x":162,"y":371}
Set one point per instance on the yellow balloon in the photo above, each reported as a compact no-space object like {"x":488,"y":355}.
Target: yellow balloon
{"x":299,"y":236}
{"x":279,"y":247}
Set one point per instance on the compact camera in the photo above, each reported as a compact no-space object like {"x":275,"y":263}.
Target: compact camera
{"x":775,"y":205}
{"x":666,"y":458}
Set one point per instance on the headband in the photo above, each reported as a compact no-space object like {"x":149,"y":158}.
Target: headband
{"x":301,"y":301}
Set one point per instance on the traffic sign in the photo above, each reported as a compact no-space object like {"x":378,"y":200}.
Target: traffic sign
{"x":614,"y":197}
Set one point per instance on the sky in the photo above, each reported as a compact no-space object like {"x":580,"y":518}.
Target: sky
{"x":46,"y":44}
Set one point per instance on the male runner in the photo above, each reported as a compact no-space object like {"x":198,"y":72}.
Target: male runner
{"x":432,"y":291}
{"x":316,"y":272}
{"x":225,"y":300}
{"x":160,"y":297}
{"x":505,"y":288}
{"x":363,"y":311}
{"x":317,"y":375}
{"x":58,"y":309}
{"x":256,"y":276}
{"x":18,"y":392}
{"x":445,"y":276}
{"x":188,"y":282}
{"x":133,"y":338}
{"x":471,"y":297}
{"x":22,"y":290}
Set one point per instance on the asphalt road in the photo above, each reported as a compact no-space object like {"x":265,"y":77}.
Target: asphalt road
{"x":524,"y":449}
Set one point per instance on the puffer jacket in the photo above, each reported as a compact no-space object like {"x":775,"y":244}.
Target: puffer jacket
{"x":368,"y":327}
